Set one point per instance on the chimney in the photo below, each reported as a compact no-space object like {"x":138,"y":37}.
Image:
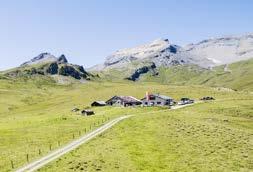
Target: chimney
{"x":147,"y":95}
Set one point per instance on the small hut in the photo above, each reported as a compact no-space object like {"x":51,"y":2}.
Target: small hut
{"x":98,"y":103}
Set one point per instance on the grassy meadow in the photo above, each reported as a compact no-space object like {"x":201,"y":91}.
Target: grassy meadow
{"x":203,"y":137}
{"x":35,"y":114}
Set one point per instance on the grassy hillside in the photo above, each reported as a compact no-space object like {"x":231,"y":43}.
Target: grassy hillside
{"x":214,"y":136}
{"x":238,"y":76}
{"x":36,"y":112}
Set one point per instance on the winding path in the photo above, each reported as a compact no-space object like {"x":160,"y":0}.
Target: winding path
{"x":35,"y":165}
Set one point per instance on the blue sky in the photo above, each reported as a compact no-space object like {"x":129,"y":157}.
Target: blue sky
{"x":86,"y":31}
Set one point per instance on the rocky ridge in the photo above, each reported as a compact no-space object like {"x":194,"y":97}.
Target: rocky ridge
{"x":206,"y":54}
{"x":47,"y":64}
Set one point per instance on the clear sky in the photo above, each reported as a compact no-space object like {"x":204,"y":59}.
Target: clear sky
{"x":86,"y":31}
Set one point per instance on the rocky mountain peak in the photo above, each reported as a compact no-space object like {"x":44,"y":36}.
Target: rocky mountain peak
{"x":62,"y":59}
{"x":50,"y":65}
{"x":207,"y":53}
{"x":160,"y":41}
{"x":147,"y":51}
{"x":41,"y":58}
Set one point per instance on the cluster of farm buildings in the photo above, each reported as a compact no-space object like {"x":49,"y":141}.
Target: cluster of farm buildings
{"x":148,"y":100}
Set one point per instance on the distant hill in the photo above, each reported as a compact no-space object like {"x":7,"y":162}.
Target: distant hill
{"x":46,"y":64}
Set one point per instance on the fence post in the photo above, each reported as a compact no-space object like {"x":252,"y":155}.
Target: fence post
{"x":39,"y":151}
{"x":12,"y":164}
{"x":50,"y":147}
{"x":27,"y":157}
{"x":79,"y":133}
{"x":73,"y":136}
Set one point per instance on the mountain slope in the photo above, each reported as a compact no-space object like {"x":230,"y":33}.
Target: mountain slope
{"x":207,"y":53}
{"x":41,"y":58}
{"x":238,"y":76}
{"x":161,"y":52}
{"x":46,"y":64}
{"x":224,"y":50}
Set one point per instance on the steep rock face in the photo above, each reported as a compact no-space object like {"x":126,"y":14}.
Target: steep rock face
{"x":74,"y":71}
{"x":52,"y":68}
{"x":145,"y":69}
{"x":69,"y":71}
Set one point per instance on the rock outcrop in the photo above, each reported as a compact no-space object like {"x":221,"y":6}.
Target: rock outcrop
{"x":145,"y":69}
{"x":47,"y":64}
{"x":67,"y":70}
{"x":62,"y":59}
{"x":52,"y":69}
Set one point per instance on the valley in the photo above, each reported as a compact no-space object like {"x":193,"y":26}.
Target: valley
{"x":36,"y":117}
{"x":39,"y":98}
{"x":126,"y":86}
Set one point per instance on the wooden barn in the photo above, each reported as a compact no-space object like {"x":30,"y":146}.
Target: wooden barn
{"x":123,"y":101}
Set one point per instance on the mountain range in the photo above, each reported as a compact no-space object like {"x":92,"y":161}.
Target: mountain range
{"x":207,"y":53}
{"x":225,"y":61}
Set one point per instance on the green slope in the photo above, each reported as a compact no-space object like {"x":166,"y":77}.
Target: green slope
{"x":237,"y":76}
{"x":36,"y":113}
{"x":215,"y":136}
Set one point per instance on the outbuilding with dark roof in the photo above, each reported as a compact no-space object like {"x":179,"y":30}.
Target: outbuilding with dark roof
{"x":98,"y":103}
